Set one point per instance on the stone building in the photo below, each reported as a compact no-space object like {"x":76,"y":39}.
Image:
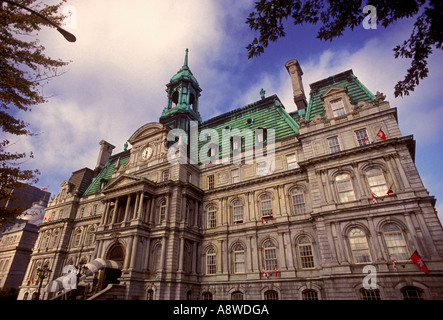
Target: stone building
{"x":17,"y":241}
{"x":256,"y":203}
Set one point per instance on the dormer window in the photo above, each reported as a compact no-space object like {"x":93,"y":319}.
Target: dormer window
{"x":336,"y":102}
{"x":338,"y":109}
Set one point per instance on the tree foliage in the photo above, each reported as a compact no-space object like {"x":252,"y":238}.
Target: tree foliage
{"x":24,"y":70}
{"x":336,"y":16}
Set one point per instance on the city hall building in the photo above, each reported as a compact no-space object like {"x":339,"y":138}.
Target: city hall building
{"x":324,"y":202}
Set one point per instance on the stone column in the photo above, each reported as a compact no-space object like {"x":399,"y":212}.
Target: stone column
{"x":128,"y":204}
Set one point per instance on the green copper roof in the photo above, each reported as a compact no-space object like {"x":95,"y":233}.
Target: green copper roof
{"x":267,"y":113}
{"x":184,"y":73}
{"x":355,"y":90}
{"x":107,"y":171}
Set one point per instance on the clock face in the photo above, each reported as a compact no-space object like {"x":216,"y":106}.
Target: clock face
{"x":146,"y":153}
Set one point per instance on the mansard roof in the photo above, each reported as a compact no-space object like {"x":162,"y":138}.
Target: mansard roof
{"x":267,"y":113}
{"x":106,"y":173}
{"x":354,"y":88}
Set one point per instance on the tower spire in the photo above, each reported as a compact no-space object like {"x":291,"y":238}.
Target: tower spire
{"x":186,"y":58}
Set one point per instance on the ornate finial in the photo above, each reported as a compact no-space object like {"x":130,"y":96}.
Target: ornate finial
{"x":186,"y":58}
{"x":262,"y":93}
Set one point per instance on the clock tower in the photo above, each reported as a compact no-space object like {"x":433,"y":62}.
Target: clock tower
{"x":183,"y":92}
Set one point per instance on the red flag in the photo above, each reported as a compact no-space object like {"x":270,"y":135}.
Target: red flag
{"x":419,"y":262}
{"x":381,"y":134}
{"x":374,"y":198}
{"x":44,"y":189}
{"x":275,"y":269}
{"x":390,"y":190}
{"x":264,"y":273}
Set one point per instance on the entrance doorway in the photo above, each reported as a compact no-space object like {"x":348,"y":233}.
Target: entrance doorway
{"x":116,"y":253}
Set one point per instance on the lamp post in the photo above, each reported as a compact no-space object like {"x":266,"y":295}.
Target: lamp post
{"x":68,"y":36}
{"x":42,"y":273}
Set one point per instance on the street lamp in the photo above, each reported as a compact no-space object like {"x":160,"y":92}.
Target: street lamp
{"x":41,"y":274}
{"x":68,"y":36}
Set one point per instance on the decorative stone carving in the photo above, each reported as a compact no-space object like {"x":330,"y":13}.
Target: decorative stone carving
{"x":380,"y":97}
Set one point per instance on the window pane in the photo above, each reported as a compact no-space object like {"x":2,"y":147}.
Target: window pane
{"x":395,"y":242}
{"x":344,"y":187}
{"x":334,"y":146}
{"x":359,"y":246}
{"x":238,"y":211}
{"x":337,"y":108}
{"x":266,"y":205}
{"x":298,"y":201}
{"x":362,"y":137}
{"x":305,"y":252}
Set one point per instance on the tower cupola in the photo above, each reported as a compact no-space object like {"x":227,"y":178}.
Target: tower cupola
{"x":183,"y":92}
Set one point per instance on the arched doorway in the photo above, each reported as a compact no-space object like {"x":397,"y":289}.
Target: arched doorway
{"x":116,"y":253}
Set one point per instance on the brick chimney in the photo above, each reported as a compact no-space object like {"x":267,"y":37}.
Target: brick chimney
{"x":105,"y":152}
{"x":295,"y":73}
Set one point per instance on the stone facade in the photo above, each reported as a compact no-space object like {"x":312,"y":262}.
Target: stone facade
{"x":302,"y":224}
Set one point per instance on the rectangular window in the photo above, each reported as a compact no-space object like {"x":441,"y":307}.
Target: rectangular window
{"x":211,"y":264}
{"x":362,"y":137}
{"x":338,"y":109}
{"x":211,"y":182}
{"x":306,"y":256}
{"x":239,"y":262}
{"x":334,"y":145}
{"x":189,"y":177}
{"x":235,"y":176}
{"x":165,"y":175}
{"x":291,"y":161}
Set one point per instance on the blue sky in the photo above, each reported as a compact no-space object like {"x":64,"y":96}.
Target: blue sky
{"x":126,"y":52}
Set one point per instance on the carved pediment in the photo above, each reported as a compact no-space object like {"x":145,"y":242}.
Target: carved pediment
{"x":147,"y":131}
{"x":123,"y":181}
{"x":334,"y":90}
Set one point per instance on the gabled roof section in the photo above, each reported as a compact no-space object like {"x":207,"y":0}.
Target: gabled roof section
{"x":342,"y":81}
{"x":267,"y":113}
{"x":105,"y":174}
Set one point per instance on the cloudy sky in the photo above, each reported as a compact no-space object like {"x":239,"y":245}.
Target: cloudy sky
{"x":126,"y":52}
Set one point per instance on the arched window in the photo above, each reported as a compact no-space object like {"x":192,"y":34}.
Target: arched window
{"x":212,"y":217}
{"x":395,"y":242}
{"x":412,"y":293}
{"x":305,"y":253}
{"x":270,"y":254}
{"x":266,"y":206}
{"x":211,"y":261}
{"x":271,"y":295}
{"x":298,"y":201}
{"x":373,"y":294}
{"x":237,"y":211}
{"x":344,"y":187}
{"x":207,"y":295}
{"x":309,"y":294}
{"x":359,"y":245}
{"x":237,"y":295}
{"x":239,"y":259}
{"x":150,"y":294}
{"x":377,"y":182}
{"x":162,"y":211}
